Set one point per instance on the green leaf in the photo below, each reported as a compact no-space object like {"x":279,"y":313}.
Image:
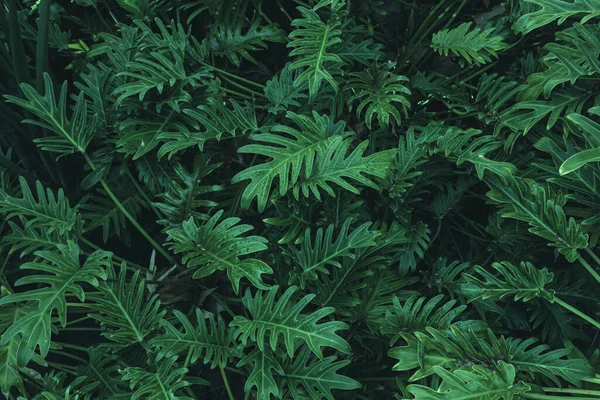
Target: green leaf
{"x":63,"y":275}
{"x":209,"y":340}
{"x":272,"y":319}
{"x":122,"y":308}
{"x":227,"y":40}
{"x":523,"y":282}
{"x":187,"y":196}
{"x":530,"y":202}
{"x":316,"y":378}
{"x":217,"y":119}
{"x":418,"y":313}
{"x":477,"y":383}
{"x":456,"y":347}
{"x":573,"y":56}
{"x":578,"y":160}
{"x":218,"y":246}
{"x":308,"y":160}
{"x":314,"y":256}
{"x":474,"y":46}
{"x":377,"y":89}
{"x":263,"y":363}
{"x":282,"y":93}
{"x":74,"y":134}
{"x":48,"y":211}
{"x":162,"y":384}
{"x":549,"y":11}
{"x":312,"y":41}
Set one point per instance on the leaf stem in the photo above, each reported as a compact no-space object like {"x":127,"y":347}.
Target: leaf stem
{"x":577,"y":312}
{"x":233,"y":75}
{"x":226,"y":382}
{"x":127,"y":215}
{"x":41,"y":53}
{"x":589,"y":269}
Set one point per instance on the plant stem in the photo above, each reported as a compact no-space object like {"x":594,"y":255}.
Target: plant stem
{"x":186,"y":363}
{"x":143,"y":194}
{"x":589,"y":269}
{"x":577,"y":312}
{"x":593,"y":255}
{"x":41,"y":53}
{"x":233,"y":76}
{"x":226,"y":382}
{"x":128,"y":215}
{"x":116,"y":257}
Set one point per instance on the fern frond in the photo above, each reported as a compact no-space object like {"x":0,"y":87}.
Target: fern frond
{"x":474,"y":46}
{"x":273,"y":319}
{"x":218,"y":246}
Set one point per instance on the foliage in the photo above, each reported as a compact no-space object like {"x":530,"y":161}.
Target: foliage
{"x":308,"y":199}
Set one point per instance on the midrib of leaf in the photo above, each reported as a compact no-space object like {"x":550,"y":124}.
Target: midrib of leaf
{"x":544,"y":366}
{"x":335,"y":254}
{"x":322,"y":50}
{"x":312,"y":378}
{"x":138,"y":334}
{"x":300,"y":331}
{"x":195,"y":342}
{"x":162,"y":387}
{"x":65,"y":133}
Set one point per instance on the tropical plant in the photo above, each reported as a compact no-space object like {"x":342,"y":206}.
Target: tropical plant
{"x":308,"y":199}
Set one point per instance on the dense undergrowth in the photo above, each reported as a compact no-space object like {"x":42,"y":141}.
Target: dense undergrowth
{"x":228,"y":199}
